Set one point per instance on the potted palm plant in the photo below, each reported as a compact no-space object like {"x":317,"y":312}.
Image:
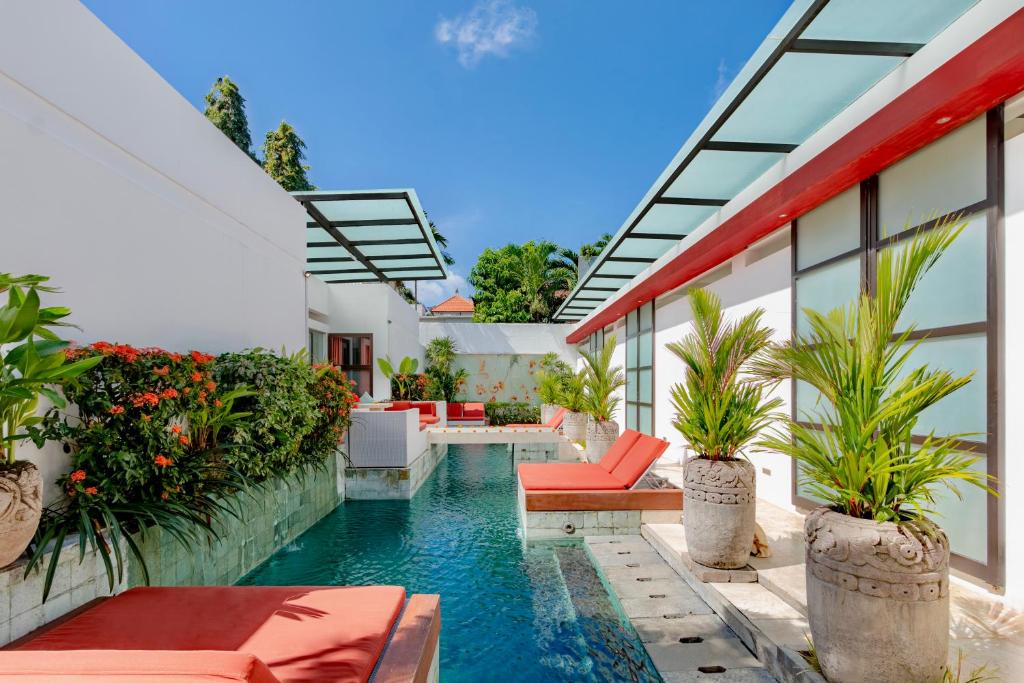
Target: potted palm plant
{"x":573,"y":398}
{"x":549,"y":387}
{"x":443,"y":379}
{"x":719,"y":410}
{"x":602,"y":381}
{"x":549,"y":377}
{"x":877,"y":567}
{"x":32,"y":359}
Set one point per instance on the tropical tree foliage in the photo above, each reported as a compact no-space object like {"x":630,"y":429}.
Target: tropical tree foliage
{"x":518,"y":283}
{"x":443,"y":379}
{"x":402,"y":378}
{"x":863,"y":460}
{"x":225,"y":108}
{"x":602,"y":381}
{"x":719,"y":408}
{"x":573,"y":394}
{"x":576,"y":263}
{"x":283,"y":153}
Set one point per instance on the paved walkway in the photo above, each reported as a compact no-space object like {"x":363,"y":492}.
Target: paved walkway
{"x":686,"y":639}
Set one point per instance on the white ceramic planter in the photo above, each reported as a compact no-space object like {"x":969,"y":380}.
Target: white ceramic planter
{"x":600,"y":437}
{"x":719,"y":511}
{"x":547,"y":411}
{"x":21,"y":495}
{"x":574,"y":426}
{"x":877,"y":599}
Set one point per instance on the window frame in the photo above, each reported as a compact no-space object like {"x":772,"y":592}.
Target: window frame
{"x":993,"y":570}
{"x":632,"y":338}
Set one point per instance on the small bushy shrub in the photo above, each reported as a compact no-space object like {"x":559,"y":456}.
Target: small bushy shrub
{"x":511,"y":413}
{"x":333,"y":393}
{"x":282,"y":406}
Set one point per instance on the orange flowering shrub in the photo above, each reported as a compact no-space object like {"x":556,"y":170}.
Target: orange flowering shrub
{"x":335,"y":398}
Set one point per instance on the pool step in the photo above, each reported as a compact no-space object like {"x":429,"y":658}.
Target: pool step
{"x":684,"y":637}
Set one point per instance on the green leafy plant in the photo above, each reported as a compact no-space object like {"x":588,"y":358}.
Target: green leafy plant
{"x":443,"y":380}
{"x":719,"y":409}
{"x":147,"y":449}
{"x":573,"y":394}
{"x":549,"y":386}
{"x":32,"y":358}
{"x":283,"y":409}
{"x":602,"y":381}
{"x":335,"y":398}
{"x":404,"y":378}
{"x":863,"y":460}
{"x":500,"y":413}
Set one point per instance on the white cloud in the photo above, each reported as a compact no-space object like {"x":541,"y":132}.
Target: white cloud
{"x":432,"y":292}
{"x":723,"y":80}
{"x":491,"y":27}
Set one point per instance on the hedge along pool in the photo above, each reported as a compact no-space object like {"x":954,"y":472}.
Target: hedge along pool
{"x":536,"y":613}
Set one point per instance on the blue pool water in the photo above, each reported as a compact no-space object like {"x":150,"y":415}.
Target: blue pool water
{"x":508,"y":612}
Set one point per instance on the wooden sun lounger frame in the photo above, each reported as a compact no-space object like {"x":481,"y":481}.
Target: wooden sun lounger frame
{"x":411,"y":655}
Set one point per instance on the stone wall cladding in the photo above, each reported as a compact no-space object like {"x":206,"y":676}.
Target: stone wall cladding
{"x":273,"y":515}
{"x":390,"y":483}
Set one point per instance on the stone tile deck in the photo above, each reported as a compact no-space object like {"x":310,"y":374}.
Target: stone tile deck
{"x":686,"y":640}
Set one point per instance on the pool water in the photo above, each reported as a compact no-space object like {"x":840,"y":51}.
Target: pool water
{"x":508,"y":611}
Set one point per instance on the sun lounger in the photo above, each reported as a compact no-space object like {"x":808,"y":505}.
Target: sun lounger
{"x":259,"y":634}
{"x":554,"y":423}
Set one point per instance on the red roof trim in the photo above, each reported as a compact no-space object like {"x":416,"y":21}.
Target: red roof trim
{"x":987,"y":72}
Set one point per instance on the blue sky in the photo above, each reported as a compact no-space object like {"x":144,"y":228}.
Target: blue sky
{"x":513,"y":119}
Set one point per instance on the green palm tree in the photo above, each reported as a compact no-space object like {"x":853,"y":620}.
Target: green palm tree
{"x":718,"y":409}
{"x":572,"y":261}
{"x":862,"y":460}
{"x":540,"y":277}
{"x":602,"y":381}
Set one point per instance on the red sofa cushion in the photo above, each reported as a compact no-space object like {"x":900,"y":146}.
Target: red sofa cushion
{"x":638,"y":459}
{"x":454,"y":411}
{"x":473,"y":411}
{"x":300,"y":633}
{"x":426,"y":409}
{"x":400,"y":405}
{"x":137,"y":666}
{"x":566,"y":476}
{"x":613,"y":456}
{"x":429,"y":419}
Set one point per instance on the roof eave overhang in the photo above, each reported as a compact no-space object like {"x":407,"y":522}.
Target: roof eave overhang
{"x":983,"y":74}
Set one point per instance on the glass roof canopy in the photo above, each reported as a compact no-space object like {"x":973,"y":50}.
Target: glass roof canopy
{"x":369,"y":236}
{"x":819,"y":58}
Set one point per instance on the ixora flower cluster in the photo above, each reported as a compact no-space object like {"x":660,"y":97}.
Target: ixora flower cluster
{"x":161,"y":438}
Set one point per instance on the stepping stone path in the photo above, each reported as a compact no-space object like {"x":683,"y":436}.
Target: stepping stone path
{"x":685,"y":638}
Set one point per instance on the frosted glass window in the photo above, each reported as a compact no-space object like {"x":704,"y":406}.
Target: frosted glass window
{"x":954,"y":290}
{"x":963,"y":411}
{"x":945,"y":176}
{"x":631,"y":385}
{"x":965,"y":521}
{"x":631,"y":353}
{"x":645,"y":420}
{"x":810,"y":406}
{"x":827,"y":288}
{"x":645,"y":347}
{"x":631,"y":416}
{"x":831,"y":229}
{"x":646,"y":317}
{"x":645,"y":386}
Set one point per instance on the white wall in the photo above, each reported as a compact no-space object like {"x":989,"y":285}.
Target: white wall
{"x":1010,"y":445}
{"x":158,"y":229}
{"x":377,"y":309}
{"x":765,"y":283}
{"x":503,"y":338}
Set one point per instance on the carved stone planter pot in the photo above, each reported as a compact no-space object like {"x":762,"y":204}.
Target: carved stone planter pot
{"x":719,"y":512}
{"x":547,"y":411}
{"x":877,"y":599}
{"x":600,"y":437}
{"x":21,"y":495}
{"x":574,"y":426}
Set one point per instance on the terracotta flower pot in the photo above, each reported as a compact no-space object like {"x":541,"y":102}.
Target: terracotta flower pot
{"x":21,"y":495}
{"x":600,"y":437}
{"x":719,"y":511}
{"x":877,"y":599}
{"x":574,"y":426}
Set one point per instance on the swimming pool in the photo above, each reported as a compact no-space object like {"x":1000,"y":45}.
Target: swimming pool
{"x":508,"y":612}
